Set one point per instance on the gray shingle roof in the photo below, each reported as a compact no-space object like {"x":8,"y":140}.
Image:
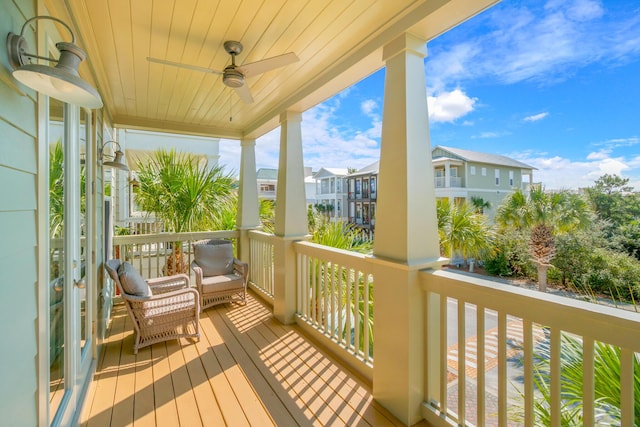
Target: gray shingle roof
{"x":478,"y":157}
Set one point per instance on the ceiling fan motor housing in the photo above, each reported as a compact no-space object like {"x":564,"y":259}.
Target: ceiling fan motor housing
{"x":232,"y":77}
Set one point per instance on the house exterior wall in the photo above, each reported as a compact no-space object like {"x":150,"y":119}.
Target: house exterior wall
{"x":18,"y":228}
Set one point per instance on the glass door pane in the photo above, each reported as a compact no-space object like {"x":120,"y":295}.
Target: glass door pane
{"x":56,"y":254}
{"x":85,"y":127}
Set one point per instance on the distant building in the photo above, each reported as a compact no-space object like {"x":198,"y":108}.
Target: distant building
{"x":267,"y":183}
{"x":362,"y":198}
{"x":267,"y":179}
{"x":331,"y":192}
{"x":460,"y":176}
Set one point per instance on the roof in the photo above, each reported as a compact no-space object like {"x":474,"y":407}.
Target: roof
{"x":329,"y":172}
{"x":478,"y":157}
{"x":373,"y":168}
{"x":266,"y":173}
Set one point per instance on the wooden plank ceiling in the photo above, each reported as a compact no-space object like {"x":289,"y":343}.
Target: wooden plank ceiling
{"x":338,"y":43}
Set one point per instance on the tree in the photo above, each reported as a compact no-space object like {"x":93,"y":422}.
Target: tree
{"x":462,"y":231}
{"x":618,"y":208}
{"x":543,"y":215}
{"x":479,"y":204}
{"x":183,"y":194}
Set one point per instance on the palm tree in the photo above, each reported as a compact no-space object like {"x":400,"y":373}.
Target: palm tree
{"x":184,"y":195}
{"x":607,"y":364}
{"x":544,"y":215}
{"x":479,"y":204}
{"x":462,"y":231}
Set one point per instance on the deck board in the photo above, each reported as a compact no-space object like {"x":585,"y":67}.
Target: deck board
{"x":246,"y":370}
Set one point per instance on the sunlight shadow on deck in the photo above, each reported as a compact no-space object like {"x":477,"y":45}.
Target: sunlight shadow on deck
{"x":247,"y":369}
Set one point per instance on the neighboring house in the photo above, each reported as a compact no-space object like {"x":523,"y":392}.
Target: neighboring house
{"x":267,"y":179}
{"x":267,"y":183}
{"x":138,"y":146}
{"x":362,"y":197}
{"x":459,"y":175}
{"x":331,"y":192}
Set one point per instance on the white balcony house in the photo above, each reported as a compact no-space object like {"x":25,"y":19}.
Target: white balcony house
{"x":326,"y":337}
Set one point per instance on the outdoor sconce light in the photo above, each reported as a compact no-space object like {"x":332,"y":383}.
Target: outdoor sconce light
{"x":62,"y":81}
{"x":118,"y":160}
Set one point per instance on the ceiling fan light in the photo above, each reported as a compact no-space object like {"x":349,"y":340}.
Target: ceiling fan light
{"x":233,"y":78}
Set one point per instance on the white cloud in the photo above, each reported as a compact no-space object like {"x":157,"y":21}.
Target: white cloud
{"x":323,"y":143}
{"x":536,"y":117}
{"x":489,"y":135}
{"x":542,"y":43}
{"x":449,"y":106}
{"x":557,"y":172}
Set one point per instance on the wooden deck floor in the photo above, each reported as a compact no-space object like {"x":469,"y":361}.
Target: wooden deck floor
{"x":247,"y":369}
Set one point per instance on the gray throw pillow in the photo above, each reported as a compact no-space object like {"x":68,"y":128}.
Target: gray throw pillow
{"x":132,"y":282}
{"x":214,"y":260}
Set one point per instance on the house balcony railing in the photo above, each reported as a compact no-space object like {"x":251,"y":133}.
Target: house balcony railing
{"x":484,"y":339}
{"x":454,"y":182}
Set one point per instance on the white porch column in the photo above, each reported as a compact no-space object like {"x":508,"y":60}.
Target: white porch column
{"x":248,"y":209}
{"x":291,"y":215}
{"x":447,"y":174}
{"x":406,"y":238}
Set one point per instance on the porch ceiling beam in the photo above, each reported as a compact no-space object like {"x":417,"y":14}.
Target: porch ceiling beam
{"x":176,"y":127}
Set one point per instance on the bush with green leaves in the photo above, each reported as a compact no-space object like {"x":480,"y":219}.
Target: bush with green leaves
{"x":510,"y":257}
{"x":593,"y":269}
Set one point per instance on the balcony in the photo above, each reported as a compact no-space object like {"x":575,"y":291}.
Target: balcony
{"x":482,"y":341}
{"x":454,"y":182}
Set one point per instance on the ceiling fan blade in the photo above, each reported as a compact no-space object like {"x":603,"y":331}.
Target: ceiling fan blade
{"x":268,"y":64}
{"x":181,"y":65}
{"x":244,"y":93}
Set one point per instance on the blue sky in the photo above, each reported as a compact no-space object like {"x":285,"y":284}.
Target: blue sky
{"x":555,"y":84}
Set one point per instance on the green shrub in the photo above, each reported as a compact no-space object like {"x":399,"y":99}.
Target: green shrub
{"x":510,"y":256}
{"x":593,"y":269}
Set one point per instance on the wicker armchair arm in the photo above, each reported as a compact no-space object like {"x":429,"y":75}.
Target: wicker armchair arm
{"x":198,"y":273}
{"x":241,"y":268}
{"x":180,"y":299}
{"x":161,"y":285}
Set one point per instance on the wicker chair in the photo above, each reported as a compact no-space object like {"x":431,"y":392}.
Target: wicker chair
{"x":220,"y":277}
{"x":161,"y":309}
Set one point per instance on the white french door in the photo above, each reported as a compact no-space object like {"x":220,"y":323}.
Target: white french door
{"x":71,"y":293}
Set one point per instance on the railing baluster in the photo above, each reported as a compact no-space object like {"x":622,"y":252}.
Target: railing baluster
{"x":341,"y":310}
{"x":480,"y":370}
{"x":626,"y":387}
{"x":529,"y":415}
{"x":444,"y":368}
{"x":588,"y":383}
{"x":554,"y":366}
{"x":462,"y":363}
{"x":350,"y":274}
{"x":365,"y":320}
{"x":502,"y":369}
{"x":356,"y":312}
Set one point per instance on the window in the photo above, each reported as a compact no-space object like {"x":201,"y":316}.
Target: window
{"x":497,"y":176}
{"x":453,"y":172}
{"x":511,"y":178}
{"x":484,"y":171}
{"x":472,"y":170}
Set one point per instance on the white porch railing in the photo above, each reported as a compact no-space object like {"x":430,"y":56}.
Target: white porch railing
{"x":335,"y":296}
{"x":484,"y":339}
{"x":148,"y":252}
{"x":261,"y":268}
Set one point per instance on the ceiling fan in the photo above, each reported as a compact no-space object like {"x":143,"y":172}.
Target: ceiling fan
{"x":234,"y":75}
